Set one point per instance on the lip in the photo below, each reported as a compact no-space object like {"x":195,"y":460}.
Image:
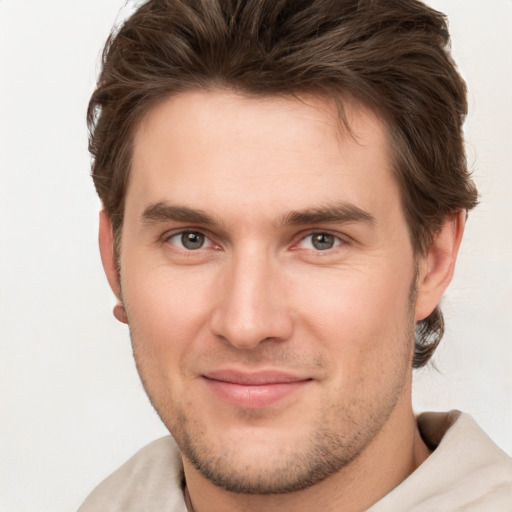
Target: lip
{"x":253,"y":390}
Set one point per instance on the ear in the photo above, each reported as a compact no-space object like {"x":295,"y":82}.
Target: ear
{"x":437,"y":266}
{"x":106,"y":242}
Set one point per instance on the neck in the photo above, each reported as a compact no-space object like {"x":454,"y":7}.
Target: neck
{"x":395,"y":452}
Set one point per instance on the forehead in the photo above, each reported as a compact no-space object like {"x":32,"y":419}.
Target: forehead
{"x":267,"y":154}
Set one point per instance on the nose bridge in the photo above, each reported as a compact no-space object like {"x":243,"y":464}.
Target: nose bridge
{"x":251,"y":307}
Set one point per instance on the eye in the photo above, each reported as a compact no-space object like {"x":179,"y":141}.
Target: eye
{"x":190,"y":240}
{"x":320,"y":242}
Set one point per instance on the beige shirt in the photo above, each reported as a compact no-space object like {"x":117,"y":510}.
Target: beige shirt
{"x":466,"y":472}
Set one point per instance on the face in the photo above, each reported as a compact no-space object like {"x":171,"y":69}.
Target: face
{"x":268,"y":277}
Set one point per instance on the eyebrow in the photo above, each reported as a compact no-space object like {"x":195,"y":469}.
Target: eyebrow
{"x":162,"y":212}
{"x":340,"y":212}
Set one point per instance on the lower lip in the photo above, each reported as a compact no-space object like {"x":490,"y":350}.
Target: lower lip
{"x":253,"y":397}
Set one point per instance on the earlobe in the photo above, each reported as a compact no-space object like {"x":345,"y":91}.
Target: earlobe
{"x":436,"y":268}
{"x":105,"y":238}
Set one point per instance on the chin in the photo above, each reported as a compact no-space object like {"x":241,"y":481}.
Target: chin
{"x":265,"y":461}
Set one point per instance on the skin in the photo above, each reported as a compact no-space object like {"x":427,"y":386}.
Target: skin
{"x":258,"y":295}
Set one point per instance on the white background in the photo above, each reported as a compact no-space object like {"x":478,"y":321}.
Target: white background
{"x":71,"y":406}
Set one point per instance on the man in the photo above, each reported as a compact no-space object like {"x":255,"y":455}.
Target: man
{"x":285,"y":191}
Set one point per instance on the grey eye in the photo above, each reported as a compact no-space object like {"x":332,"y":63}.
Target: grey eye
{"x":190,"y":240}
{"x":320,"y":241}
{"x":187,"y":241}
{"x":323,"y":241}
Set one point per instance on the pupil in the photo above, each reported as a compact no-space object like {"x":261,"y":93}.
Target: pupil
{"x":323,"y":241}
{"x":192,"y":240}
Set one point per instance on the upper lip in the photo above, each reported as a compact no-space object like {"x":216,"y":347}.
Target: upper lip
{"x":255,"y":378}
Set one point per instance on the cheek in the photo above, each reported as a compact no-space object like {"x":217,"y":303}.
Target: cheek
{"x":363,"y":329}
{"x":167,"y":318}
{"x":355,"y":302}
{"x":360,"y":318}
{"x":167,"y":309}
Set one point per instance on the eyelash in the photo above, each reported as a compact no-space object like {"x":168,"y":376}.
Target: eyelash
{"x":169,"y":237}
{"x":338,"y":241}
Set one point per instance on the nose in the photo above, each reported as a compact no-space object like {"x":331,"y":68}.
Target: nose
{"x":252,"y":304}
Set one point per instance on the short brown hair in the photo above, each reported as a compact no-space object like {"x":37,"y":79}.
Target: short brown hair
{"x":391,"y":55}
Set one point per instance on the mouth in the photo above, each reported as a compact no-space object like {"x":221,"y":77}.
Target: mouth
{"x":255,"y":390}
